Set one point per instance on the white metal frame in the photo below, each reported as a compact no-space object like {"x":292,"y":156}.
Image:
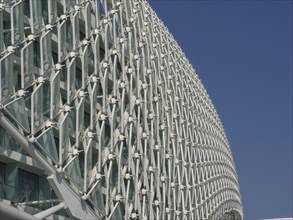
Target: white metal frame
{"x":137,"y":135}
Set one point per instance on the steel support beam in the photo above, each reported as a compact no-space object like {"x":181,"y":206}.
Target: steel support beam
{"x":8,"y":212}
{"x":50,"y":211}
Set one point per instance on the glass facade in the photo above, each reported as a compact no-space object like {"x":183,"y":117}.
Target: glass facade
{"x":110,"y":105}
{"x":28,"y":186}
{"x":21,"y":187}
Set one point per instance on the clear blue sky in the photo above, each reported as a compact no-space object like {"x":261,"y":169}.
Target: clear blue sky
{"x":242,"y":51}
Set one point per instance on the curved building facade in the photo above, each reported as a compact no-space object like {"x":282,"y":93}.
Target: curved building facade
{"x":103,"y":117}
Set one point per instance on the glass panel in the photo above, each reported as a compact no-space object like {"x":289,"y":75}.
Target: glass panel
{"x":46,"y":102}
{"x":17,"y":111}
{"x":68,"y":5}
{"x":69,"y":34}
{"x":91,"y":58}
{"x":93,"y":101}
{"x":16,"y":75}
{"x":87,"y":17}
{"x":72,"y":121}
{"x":55,"y":96}
{"x":74,"y":172}
{"x":79,"y":120}
{"x":9,"y":142}
{"x":36,"y":53}
{"x":46,"y":140}
{"x":44,"y":153}
{"x":62,"y":41}
{"x":7,"y":34}
{"x":6,"y":76}
{"x":11,"y":193}
{"x":46,"y":52}
{"x":71,"y":73}
{"x":75,"y":21}
{"x":84,"y":61}
{"x":45,"y":11}
{"x":114,"y":174}
{"x":27,"y":65}
{"x":96,"y":51}
{"x":52,"y":11}
{"x":64,"y":144}
{"x":36,"y":14}
{"x":1,"y":32}
{"x":17,"y":23}
{"x":28,"y":184}
{"x":37,"y":119}
{"x":117,"y":214}
{"x":11,"y":182}
{"x":97,"y":198}
{"x":88,"y":161}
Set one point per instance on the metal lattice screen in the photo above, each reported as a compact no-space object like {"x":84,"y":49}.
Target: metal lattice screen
{"x":108,"y":99}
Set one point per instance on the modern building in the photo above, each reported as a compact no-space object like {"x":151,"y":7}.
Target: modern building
{"x":103,"y":117}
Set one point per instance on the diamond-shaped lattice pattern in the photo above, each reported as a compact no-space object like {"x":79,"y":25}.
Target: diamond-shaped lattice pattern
{"x":110,"y":100}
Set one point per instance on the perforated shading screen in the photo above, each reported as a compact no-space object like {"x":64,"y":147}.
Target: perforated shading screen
{"x":114,"y":103}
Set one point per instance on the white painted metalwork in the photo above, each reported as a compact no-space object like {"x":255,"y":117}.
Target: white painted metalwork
{"x":102,"y":97}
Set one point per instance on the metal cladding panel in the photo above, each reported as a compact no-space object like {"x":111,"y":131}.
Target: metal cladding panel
{"x":136,"y":134}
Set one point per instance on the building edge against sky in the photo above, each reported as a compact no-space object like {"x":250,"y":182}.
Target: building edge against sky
{"x":102,"y":116}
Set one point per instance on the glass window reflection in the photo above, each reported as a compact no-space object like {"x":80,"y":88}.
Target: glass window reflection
{"x":52,"y":7}
{"x":75,"y":26}
{"x":36,"y":15}
{"x":71,"y":76}
{"x":27,"y":65}
{"x":15,"y":110}
{"x":46,"y":140}
{"x":62,"y":41}
{"x":55,"y":96}
{"x":64,"y":143}
{"x":17,"y":23}
{"x":6,"y":77}
{"x":46,"y":52}
{"x":37,"y":117}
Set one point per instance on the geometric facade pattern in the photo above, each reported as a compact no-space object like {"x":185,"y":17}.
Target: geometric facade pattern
{"x":102,"y":98}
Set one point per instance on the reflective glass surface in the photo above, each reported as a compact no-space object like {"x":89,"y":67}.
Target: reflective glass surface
{"x":88,"y":163}
{"x":98,"y":199}
{"x":37,"y":117}
{"x":52,"y":7}
{"x":93,"y":100}
{"x":79,"y":121}
{"x":75,"y":27}
{"x":64,"y":143}
{"x":8,"y":142}
{"x":27,"y":68}
{"x":46,"y":140}
{"x":74,"y":172}
{"x":36,"y":14}
{"x":55,"y":106}
{"x":16,"y":110}
{"x":6,"y":77}
{"x":68,"y":5}
{"x":17,"y":23}
{"x":28,"y":185}
{"x":46,"y":52}
{"x":71,"y":76}
{"x":87,"y":15}
{"x":62,"y":41}
{"x":85,"y":67}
